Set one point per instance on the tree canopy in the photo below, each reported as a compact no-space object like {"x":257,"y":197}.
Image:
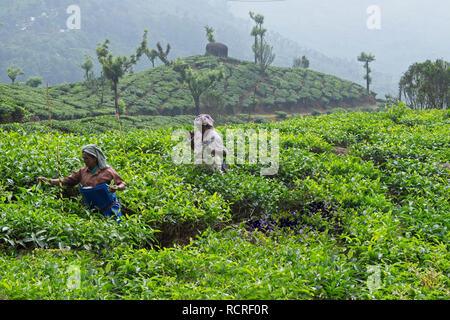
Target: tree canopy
{"x":115,"y":68}
{"x":427,"y":85}
{"x":210,"y":34}
{"x":14,"y":72}
{"x":263,"y":52}
{"x":197,"y":81}
{"x":367,"y":58}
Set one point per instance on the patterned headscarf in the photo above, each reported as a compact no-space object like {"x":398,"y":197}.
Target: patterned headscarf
{"x":96,"y":152}
{"x":204,"y":119}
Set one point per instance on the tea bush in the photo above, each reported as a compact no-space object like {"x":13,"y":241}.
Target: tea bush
{"x":160,"y":91}
{"x":368,"y":223}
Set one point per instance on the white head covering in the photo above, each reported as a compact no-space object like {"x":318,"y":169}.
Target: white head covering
{"x":96,"y":152}
{"x":204,"y":119}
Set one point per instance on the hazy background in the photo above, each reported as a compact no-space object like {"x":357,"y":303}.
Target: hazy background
{"x":411,"y":30}
{"x":331,"y":33}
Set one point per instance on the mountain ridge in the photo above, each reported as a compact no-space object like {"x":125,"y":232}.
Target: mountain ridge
{"x":46,"y":48}
{"x":160,"y":91}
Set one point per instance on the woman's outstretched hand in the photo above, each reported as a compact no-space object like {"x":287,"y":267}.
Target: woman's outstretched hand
{"x":119,"y":187}
{"x":51,"y":181}
{"x":113,"y":189}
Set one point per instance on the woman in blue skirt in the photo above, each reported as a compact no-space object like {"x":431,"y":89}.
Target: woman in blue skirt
{"x":96,"y":174}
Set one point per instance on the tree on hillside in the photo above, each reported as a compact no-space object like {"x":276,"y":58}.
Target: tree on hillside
{"x":263,"y":52}
{"x":100,"y":87}
{"x":152,"y":54}
{"x":215,"y":48}
{"x":88,"y":66}
{"x":257,"y":31}
{"x":427,"y":85}
{"x":367,"y":58}
{"x":302,"y":62}
{"x":115,"y":68}
{"x":198,"y":81}
{"x":266,"y":56}
{"x":34,"y":82}
{"x":11,"y":111}
{"x":14,"y":72}
{"x":210,"y":34}
{"x":163,"y":54}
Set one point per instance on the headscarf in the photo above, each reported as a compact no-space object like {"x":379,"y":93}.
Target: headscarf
{"x":204,"y":119}
{"x":96,"y":152}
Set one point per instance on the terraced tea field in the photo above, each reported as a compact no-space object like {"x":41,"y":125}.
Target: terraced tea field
{"x":359,"y":209}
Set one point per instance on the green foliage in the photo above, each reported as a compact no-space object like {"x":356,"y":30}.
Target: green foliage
{"x":152,"y":91}
{"x":14,"y":72}
{"x":281,"y":115}
{"x":210,"y":34}
{"x":34,"y":82}
{"x":382,"y":205}
{"x":337,"y":110}
{"x":163,"y":55}
{"x":263,"y":52}
{"x":114,"y":68}
{"x":197,"y":81}
{"x":367,"y":58}
{"x":11,"y":111}
{"x":236,"y":263}
{"x":302,"y":62}
{"x":87,"y":66}
{"x":152,"y":54}
{"x":426,"y":85}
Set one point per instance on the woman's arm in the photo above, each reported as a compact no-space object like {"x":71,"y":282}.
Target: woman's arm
{"x":119,"y":187}
{"x":119,"y":183}
{"x":71,"y":180}
{"x":51,"y":181}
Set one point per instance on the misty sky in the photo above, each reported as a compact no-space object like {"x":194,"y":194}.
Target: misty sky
{"x":411,"y":30}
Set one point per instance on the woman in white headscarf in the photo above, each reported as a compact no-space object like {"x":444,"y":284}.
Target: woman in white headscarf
{"x":208,"y":144}
{"x":95,"y":173}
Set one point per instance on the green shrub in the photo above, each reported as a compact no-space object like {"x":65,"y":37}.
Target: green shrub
{"x":281,"y":115}
{"x":260,"y":120}
{"x":34,"y":82}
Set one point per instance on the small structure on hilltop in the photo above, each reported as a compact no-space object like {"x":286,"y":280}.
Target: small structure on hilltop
{"x":217,"y":49}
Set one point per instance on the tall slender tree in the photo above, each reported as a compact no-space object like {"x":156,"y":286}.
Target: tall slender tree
{"x":114,"y":68}
{"x":427,"y":85}
{"x":302,"y":62}
{"x":88,"y":66}
{"x":263,"y":52}
{"x":152,"y":54}
{"x":258,"y":32}
{"x":198,"y":81}
{"x":367,"y":58}
{"x":210,"y":34}
{"x":14,"y":72}
{"x":163,"y":54}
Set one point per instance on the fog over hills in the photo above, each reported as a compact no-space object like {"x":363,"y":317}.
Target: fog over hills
{"x":331,"y":33}
{"x":411,"y":31}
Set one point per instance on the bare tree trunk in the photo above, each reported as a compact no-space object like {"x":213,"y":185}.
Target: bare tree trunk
{"x":197,"y":104}
{"x":116,"y":97}
{"x":367,"y":79}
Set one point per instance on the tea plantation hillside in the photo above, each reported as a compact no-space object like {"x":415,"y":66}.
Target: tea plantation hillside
{"x":160,"y":91}
{"x":357,"y":210}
